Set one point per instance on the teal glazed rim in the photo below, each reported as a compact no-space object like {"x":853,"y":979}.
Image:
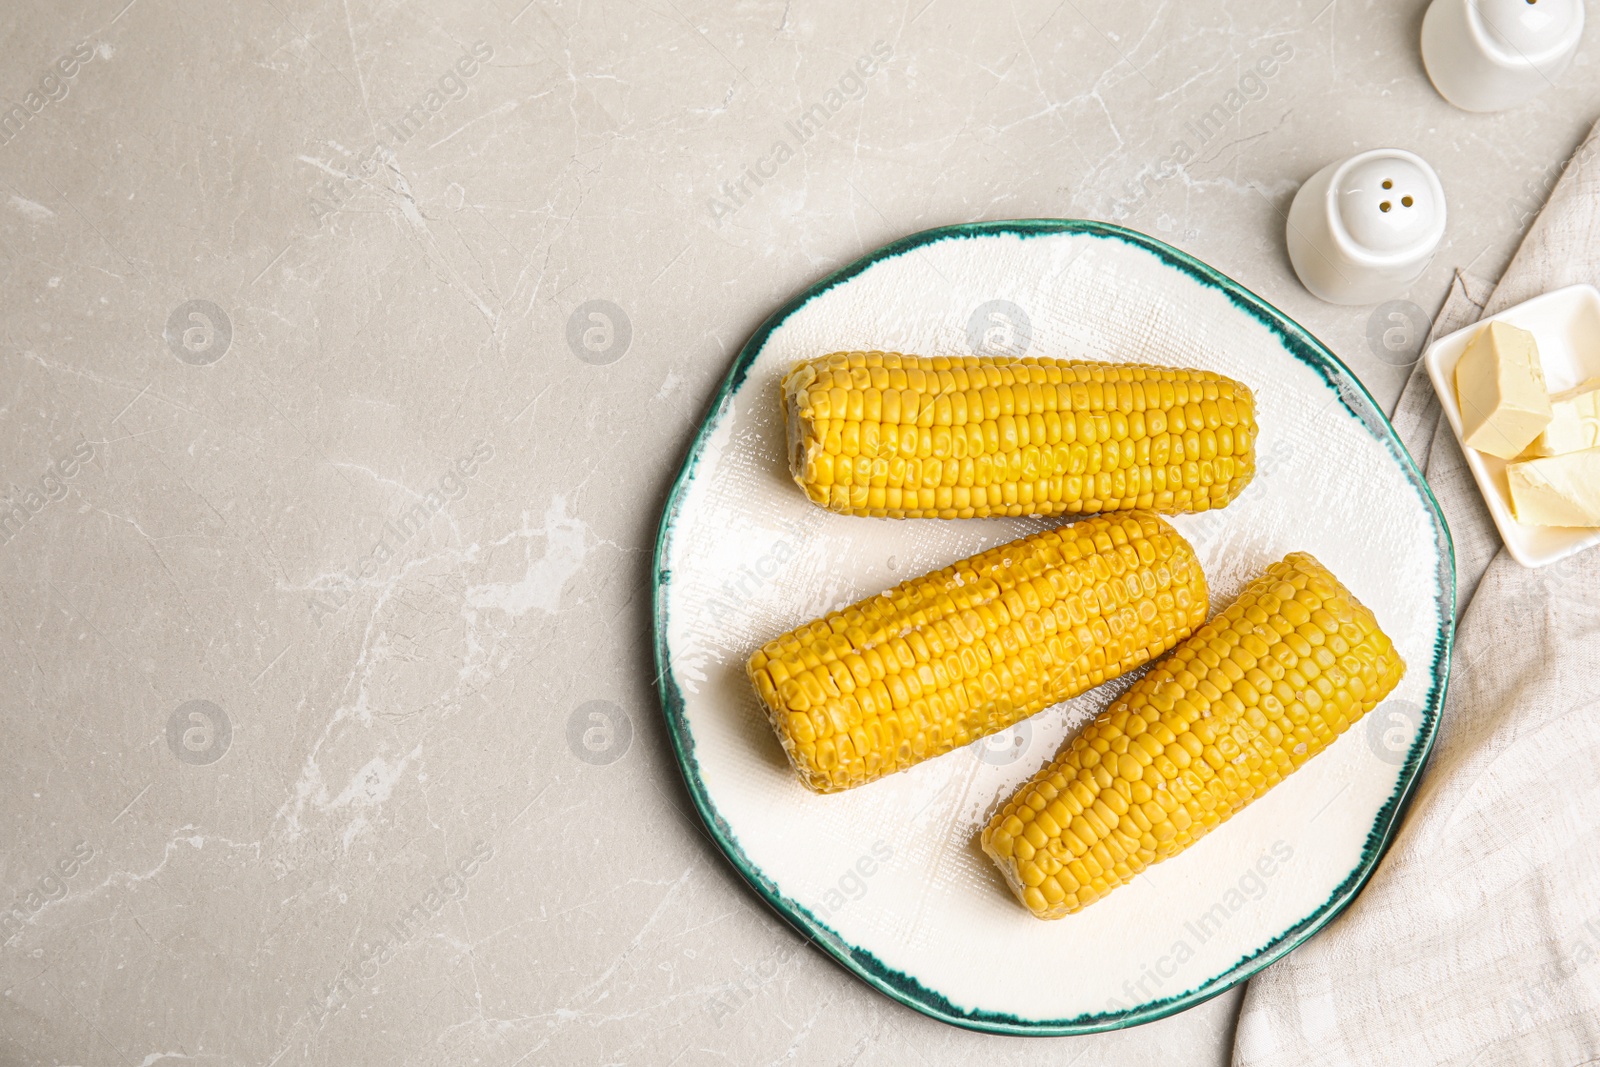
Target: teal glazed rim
{"x":906,"y":989}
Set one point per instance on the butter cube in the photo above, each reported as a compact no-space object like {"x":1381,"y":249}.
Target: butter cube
{"x":1574,"y":422}
{"x":1500,"y":386}
{"x":1558,"y":491}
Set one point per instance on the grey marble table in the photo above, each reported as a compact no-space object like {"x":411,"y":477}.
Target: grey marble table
{"x":348,"y":352}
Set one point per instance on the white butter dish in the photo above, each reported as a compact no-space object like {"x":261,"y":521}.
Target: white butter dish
{"x":1565,"y":324}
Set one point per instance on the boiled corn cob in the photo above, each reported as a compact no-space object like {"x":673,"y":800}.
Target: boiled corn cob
{"x":956,"y":437}
{"x":1257,"y":691}
{"x":940,"y":661}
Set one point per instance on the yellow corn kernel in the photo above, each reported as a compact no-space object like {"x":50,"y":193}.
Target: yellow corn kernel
{"x":1224,"y":718}
{"x":969,"y":650}
{"x":974,"y":436}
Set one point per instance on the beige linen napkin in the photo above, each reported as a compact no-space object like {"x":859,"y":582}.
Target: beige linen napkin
{"x":1477,"y":942}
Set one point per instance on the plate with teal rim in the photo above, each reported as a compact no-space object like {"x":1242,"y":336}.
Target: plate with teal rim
{"x":888,"y":878}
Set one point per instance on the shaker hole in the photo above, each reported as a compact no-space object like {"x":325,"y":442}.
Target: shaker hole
{"x":1406,"y":200}
{"x":1384,"y":206}
{"x":1387,"y":184}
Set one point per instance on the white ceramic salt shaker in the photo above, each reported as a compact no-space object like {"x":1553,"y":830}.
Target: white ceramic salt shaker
{"x":1489,"y":55}
{"x":1362,"y":230}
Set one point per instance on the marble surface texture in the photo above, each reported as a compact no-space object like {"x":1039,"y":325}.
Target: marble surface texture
{"x":347,"y":351}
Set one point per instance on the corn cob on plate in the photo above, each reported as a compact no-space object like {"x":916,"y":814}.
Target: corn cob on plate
{"x":889,"y":877}
{"x":939,"y":661}
{"x":1238,"y":707}
{"x":942,"y":437}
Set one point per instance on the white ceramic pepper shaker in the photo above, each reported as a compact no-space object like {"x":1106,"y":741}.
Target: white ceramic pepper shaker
{"x":1362,"y":230}
{"x":1489,"y":55}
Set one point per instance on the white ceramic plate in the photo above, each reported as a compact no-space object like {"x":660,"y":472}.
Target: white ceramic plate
{"x":888,"y":878}
{"x":1565,"y":324}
